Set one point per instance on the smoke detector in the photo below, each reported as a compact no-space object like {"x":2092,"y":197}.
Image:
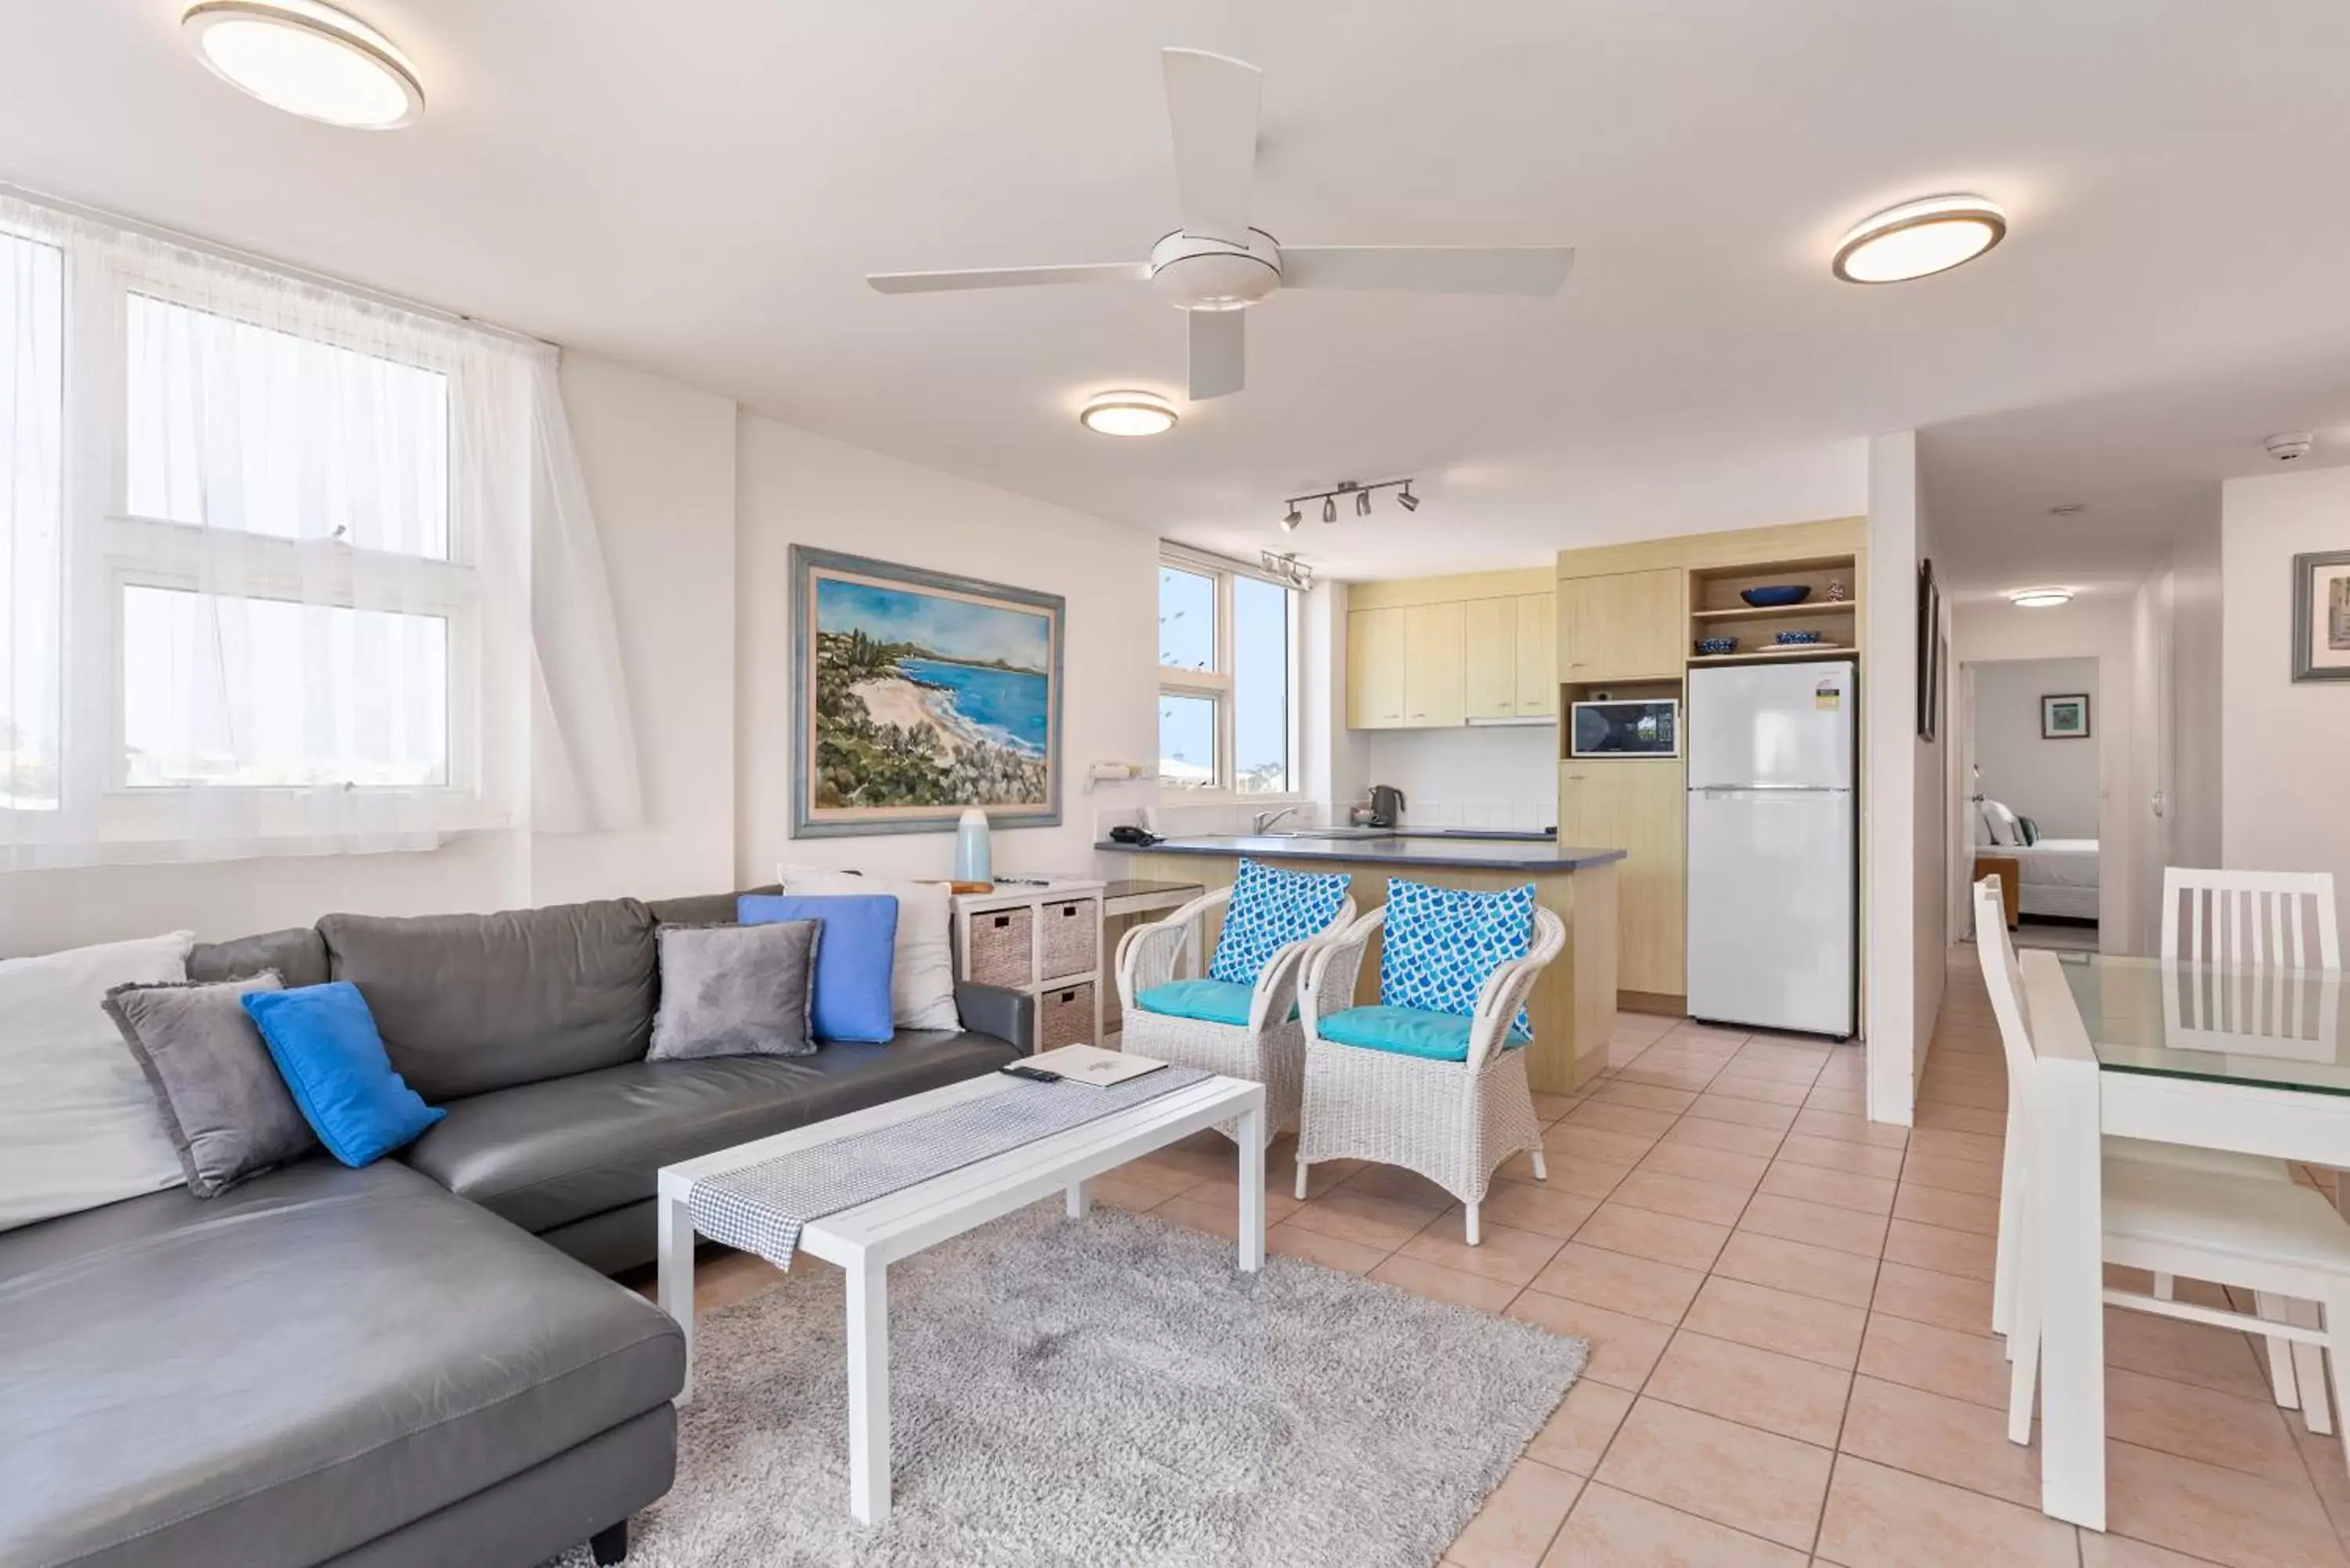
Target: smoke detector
{"x":2286,"y":445}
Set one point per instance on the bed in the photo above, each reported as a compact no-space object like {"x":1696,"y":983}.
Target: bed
{"x":2056,"y":876}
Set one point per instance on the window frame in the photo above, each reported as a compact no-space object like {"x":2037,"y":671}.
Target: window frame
{"x":1219,"y":686}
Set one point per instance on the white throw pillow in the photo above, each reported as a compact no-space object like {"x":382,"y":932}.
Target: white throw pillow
{"x":921,"y":982}
{"x":2005,"y":828}
{"x":79,"y":1125}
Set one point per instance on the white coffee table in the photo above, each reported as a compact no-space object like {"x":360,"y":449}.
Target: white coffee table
{"x":866,"y":1239}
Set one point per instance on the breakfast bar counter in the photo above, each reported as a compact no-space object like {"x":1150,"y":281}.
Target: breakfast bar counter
{"x":1573,"y":1008}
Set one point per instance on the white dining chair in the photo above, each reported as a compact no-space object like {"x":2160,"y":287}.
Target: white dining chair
{"x":2260,"y":919}
{"x":2000,"y":975}
{"x":2278,"y":1239}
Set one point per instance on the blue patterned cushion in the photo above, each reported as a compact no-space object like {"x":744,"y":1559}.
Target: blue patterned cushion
{"x":1207,"y":1000}
{"x":1270,"y":909}
{"x":1441,"y":943}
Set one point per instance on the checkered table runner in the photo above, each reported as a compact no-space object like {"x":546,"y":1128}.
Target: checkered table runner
{"x":762,"y":1208}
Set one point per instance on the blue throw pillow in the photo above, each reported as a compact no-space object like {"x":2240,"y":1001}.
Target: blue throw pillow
{"x":1270,"y":908}
{"x":1441,"y":943}
{"x":855,"y":955}
{"x":324,"y":1041}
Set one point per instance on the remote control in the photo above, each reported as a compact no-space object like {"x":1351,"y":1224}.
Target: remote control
{"x":1033,"y":1074}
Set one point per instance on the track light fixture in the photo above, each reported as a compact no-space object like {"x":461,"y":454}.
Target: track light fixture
{"x":1354,"y":487}
{"x":1291,"y":519}
{"x":1288,"y":567}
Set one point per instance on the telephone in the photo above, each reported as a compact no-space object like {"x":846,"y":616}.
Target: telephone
{"x":1141,"y":837}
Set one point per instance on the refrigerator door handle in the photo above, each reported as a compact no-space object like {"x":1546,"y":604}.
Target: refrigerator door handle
{"x":1771,"y":789}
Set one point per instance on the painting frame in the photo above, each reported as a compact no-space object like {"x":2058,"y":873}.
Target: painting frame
{"x":2314,"y":622}
{"x":1932,"y":653}
{"x":2057,"y":713}
{"x":812,"y":815}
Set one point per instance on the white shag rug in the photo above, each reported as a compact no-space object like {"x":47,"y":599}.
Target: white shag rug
{"x":1105,"y":1391}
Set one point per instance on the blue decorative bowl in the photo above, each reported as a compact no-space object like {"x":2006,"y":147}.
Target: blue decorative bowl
{"x":1796,"y":638}
{"x":1716,"y":646}
{"x":1777,"y":597}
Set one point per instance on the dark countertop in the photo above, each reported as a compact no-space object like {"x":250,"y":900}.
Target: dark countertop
{"x":1461,"y":854}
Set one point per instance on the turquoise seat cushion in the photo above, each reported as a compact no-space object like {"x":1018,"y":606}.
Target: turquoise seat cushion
{"x":1442,"y":943}
{"x":1405,"y":1031}
{"x":1270,"y":908}
{"x":1207,"y":1000}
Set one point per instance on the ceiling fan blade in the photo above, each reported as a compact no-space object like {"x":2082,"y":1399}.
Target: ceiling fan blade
{"x":1211,"y":106}
{"x":1429,"y":269}
{"x":1217,"y":352}
{"x":1008,"y":277}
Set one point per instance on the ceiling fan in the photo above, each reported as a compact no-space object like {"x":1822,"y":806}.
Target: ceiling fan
{"x":1218,"y":265}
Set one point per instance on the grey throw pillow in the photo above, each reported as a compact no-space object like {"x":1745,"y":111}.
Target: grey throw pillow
{"x":225,"y":1107}
{"x":735,"y":990}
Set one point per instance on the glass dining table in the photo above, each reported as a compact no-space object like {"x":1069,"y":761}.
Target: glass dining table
{"x":2216,"y":1056}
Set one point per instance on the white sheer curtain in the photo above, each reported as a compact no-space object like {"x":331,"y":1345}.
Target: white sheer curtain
{"x":289,"y":570}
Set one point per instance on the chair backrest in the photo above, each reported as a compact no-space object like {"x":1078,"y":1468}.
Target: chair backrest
{"x":2005,"y":980}
{"x":2270,"y":919}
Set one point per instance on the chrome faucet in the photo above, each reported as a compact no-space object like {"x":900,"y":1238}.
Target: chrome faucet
{"x":1264,"y":819}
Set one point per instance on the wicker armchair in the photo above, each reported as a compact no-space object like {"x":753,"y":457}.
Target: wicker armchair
{"x":1453,"y":1122}
{"x":1269,"y":1049}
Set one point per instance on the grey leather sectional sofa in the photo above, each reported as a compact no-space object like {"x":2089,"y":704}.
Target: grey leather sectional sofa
{"x":420,"y":1363}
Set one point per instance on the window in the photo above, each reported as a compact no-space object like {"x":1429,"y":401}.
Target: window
{"x":1227,"y":679}
{"x":32,"y":525}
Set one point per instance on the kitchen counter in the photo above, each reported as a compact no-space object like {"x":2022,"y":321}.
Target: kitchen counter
{"x":1404,"y":851}
{"x":1573,"y":1007}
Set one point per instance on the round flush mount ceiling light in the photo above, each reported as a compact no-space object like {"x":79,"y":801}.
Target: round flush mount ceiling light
{"x":1920,"y":238}
{"x":2040,"y":599}
{"x":1127,"y":415}
{"x":306,"y":58}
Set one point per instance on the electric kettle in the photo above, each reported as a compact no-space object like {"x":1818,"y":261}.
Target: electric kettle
{"x":1386,"y":806}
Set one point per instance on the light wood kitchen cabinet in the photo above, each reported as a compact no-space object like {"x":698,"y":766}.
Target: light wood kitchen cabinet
{"x":1534,"y":689}
{"x":1636,"y":804}
{"x":1493,"y":658}
{"x":1435,"y":665}
{"x":1375,"y":668}
{"x":1623,"y":626}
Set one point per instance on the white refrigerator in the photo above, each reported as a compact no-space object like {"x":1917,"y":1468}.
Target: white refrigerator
{"x":1774,"y":842}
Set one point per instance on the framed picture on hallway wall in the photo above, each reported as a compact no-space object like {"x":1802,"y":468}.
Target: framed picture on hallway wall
{"x":2064,"y":718}
{"x":2321,"y":616}
{"x":916,"y":694}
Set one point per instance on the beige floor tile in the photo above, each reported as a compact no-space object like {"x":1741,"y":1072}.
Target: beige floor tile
{"x":1644,"y":1097}
{"x":1797,"y":1266}
{"x":1611,"y":1529}
{"x":1690,"y":1076}
{"x":2243,"y":1522}
{"x":1782,"y":1393}
{"x":2193,"y":1352}
{"x":1771,"y":1091}
{"x":1850,"y":1129}
{"x":1794,"y":1219}
{"x":1946,"y":1301}
{"x":1163,"y":1181}
{"x":1970,"y":1366}
{"x":2224,"y":1429}
{"x":1778,"y":1320}
{"x":1646,"y":1233}
{"x":1953,"y":1211}
{"x":1942,"y":1250}
{"x":1694,"y":1162}
{"x":1362,"y":1219}
{"x":1579,"y":1431}
{"x":1944,"y":1144}
{"x":1514,"y":1528}
{"x":1624,"y":1349}
{"x":1981,"y":1095}
{"x":1951,"y":1440}
{"x":1712,"y":1107}
{"x":1667,"y":1194}
{"x":1395,"y":1182}
{"x":1511,"y":1256}
{"x":1620,"y":1282}
{"x":1550,"y":1108}
{"x":1439,"y":1283}
{"x":2120,"y":1552}
{"x":1604,"y":1145}
{"x":1974,"y":1176}
{"x":1878,"y":1517}
{"x":1592,"y":1179}
{"x":1538,"y":1207}
{"x":1280,"y":1202}
{"x":1329,"y":1251}
{"x":1634,"y":1121}
{"x":1708,"y":1037}
{"x":1834,"y":1154}
{"x":1732,"y":1138}
{"x":1117,"y":1189}
{"x":1215,"y":1219}
{"x":1843,"y":1102}
{"x":725,"y":1278}
{"x":1836,"y":1189}
{"x":1735,"y":1475}
{"x":1963,"y":1118}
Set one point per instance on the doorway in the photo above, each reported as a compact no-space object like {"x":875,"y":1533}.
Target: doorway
{"x":2031,"y":764}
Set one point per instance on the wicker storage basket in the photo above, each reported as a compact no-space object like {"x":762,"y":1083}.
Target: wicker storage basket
{"x":1065,"y":1017}
{"x":1002,"y":941}
{"x":1070,"y":939}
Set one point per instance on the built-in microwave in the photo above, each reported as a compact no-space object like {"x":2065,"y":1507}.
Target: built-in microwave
{"x":1647,"y":728}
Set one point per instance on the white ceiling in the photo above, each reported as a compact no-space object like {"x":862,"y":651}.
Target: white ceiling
{"x":699,"y":187}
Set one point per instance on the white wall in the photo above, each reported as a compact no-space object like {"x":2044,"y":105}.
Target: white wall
{"x":2193,"y":788}
{"x":1497,"y":776}
{"x":796,"y":488}
{"x":2285,"y":743}
{"x":2052,"y":782}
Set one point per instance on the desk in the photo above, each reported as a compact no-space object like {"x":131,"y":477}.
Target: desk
{"x":2205,"y":1054}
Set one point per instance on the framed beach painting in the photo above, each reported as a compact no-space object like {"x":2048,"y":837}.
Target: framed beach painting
{"x":916,"y":694}
{"x":2321,"y":616}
